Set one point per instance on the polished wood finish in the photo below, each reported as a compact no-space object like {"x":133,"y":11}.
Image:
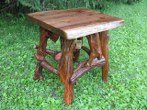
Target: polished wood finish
{"x":75,"y":23}
{"x":95,"y":49}
{"x":49,"y":67}
{"x":41,"y":53}
{"x":66,"y":69}
{"x":104,"y":46}
{"x":50,"y":52}
{"x":82,"y":69}
{"x":70,"y":26}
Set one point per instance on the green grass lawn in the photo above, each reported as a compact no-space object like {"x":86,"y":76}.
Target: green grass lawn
{"x":127,"y":85}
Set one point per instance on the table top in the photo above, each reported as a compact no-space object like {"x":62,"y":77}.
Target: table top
{"x":75,"y":23}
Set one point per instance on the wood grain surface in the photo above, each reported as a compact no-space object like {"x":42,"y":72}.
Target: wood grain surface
{"x":75,"y":23}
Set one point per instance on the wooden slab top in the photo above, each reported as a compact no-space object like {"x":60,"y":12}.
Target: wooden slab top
{"x":75,"y":23}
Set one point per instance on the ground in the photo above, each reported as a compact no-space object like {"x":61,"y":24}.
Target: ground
{"x":127,"y":85}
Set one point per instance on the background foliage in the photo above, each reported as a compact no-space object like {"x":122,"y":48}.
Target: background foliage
{"x":39,"y":5}
{"x":127,"y":85}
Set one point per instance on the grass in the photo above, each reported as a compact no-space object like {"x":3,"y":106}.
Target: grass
{"x":127,"y":85}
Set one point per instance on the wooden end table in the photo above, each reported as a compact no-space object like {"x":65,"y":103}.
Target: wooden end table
{"x":70,"y":26}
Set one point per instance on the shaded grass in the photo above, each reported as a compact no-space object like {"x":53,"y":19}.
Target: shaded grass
{"x":127,"y":84}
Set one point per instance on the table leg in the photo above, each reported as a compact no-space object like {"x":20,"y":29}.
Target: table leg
{"x":41,"y":53}
{"x":66,"y":69}
{"x":104,"y":47}
{"x":38,"y":72}
{"x":95,"y":48}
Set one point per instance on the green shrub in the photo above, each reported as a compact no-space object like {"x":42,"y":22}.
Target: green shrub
{"x":126,"y":1}
{"x":39,"y":5}
{"x":62,"y":4}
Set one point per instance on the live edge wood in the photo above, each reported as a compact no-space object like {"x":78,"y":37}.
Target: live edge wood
{"x":68,"y":26}
{"x":75,"y":23}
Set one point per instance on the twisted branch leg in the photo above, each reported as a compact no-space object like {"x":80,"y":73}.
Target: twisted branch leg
{"x":95,"y":48}
{"x":41,"y":53}
{"x":66,"y":69}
